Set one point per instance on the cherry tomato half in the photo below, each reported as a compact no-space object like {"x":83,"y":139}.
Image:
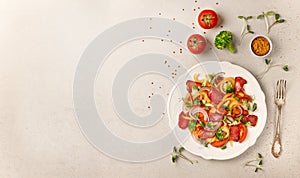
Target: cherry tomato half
{"x":196,"y":43}
{"x":243,"y":132}
{"x":208,"y":19}
{"x":220,"y":143}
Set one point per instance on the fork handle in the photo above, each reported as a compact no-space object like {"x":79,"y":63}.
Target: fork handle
{"x":277,"y":148}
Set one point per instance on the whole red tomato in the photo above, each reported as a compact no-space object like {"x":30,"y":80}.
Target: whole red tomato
{"x":196,"y":43}
{"x":208,"y":19}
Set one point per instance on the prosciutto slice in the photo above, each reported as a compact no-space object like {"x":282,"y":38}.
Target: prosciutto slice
{"x":215,"y":96}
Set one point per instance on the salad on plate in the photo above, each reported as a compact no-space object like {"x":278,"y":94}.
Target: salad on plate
{"x":217,"y":110}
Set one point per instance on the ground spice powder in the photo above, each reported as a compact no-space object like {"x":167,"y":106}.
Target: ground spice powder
{"x":260,"y":46}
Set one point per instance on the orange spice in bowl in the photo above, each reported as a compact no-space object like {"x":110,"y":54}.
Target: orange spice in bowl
{"x":261,"y":46}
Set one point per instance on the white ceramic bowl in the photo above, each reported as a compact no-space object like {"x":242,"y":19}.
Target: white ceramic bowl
{"x":270,"y":42}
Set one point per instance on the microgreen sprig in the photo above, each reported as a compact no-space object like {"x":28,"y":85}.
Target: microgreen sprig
{"x":266,"y":17}
{"x":246,"y":28}
{"x":268,"y":66}
{"x":177,"y":153}
{"x":258,"y":165}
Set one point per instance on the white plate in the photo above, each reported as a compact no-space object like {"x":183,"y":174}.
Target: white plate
{"x":252,"y":88}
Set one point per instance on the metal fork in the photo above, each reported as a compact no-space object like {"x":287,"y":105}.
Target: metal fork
{"x":279,"y":101}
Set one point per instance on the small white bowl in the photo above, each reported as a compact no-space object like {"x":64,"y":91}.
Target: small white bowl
{"x":261,"y":45}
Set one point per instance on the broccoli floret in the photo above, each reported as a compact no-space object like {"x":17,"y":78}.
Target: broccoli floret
{"x":224,"y":40}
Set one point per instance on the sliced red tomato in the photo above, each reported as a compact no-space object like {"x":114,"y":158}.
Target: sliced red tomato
{"x":239,"y":84}
{"x":190,"y":84}
{"x":243,"y":132}
{"x":220,"y":143}
{"x":196,"y":43}
{"x":183,"y":120}
{"x":208,"y":19}
{"x":234,"y":133}
{"x":245,"y":112}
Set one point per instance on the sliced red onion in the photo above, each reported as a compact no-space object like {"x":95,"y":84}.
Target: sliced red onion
{"x":204,"y":89}
{"x":241,"y":110}
{"x":218,"y":75}
{"x":229,"y":118}
{"x":222,"y":88}
{"x":196,"y":109}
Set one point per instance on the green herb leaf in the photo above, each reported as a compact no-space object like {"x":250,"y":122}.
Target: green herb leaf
{"x":260,"y":162}
{"x":247,"y":123}
{"x":188,"y":104}
{"x":174,"y":149}
{"x":249,"y":17}
{"x":195,"y":88}
{"x":192,"y":126}
{"x":254,"y":107}
{"x":256,"y":169}
{"x":241,"y":117}
{"x":285,"y":68}
{"x":224,"y":147}
{"x":220,"y":134}
{"x":202,"y":124}
{"x":270,"y":13}
{"x":237,"y":98}
{"x":259,"y":155}
{"x":260,"y":16}
{"x":268,"y":61}
{"x":180,"y":149}
{"x":210,"y":125}
{"x":277,"y":16}
{"x":281,"y":21}
{"x":240,"y":17}
{"x":197,"y":102}
{"x":229,"y":89}
{"x":174,"y":158}
{"x":245,"y":105}
{"x":252,"y":32}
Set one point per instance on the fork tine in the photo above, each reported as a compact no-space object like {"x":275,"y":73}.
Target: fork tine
{"x":284,"y":89}
{"x":281,"y":89}
{"x":277,"y":89}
